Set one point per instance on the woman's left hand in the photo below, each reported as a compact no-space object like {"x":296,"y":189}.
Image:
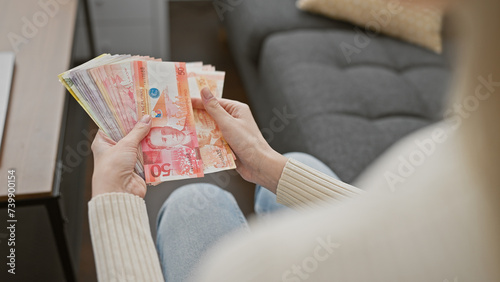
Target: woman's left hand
{"x":114,"y":162}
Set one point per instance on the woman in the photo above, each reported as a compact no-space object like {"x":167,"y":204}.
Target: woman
{"x":441,"y":224}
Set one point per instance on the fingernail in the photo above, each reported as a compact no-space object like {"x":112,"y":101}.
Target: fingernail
{"x":207,"y":95}
{"x":146,"y":119}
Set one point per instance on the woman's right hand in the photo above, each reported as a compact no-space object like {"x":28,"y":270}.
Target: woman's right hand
{"x":256,"y":161}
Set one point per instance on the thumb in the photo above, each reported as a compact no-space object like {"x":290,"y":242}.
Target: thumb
{"x":101,"y":142}
{"x":140,"y":130}
{"x":213,"y":107}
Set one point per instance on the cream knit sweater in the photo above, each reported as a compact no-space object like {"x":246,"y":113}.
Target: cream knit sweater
{"x":440,"y":221}
{"x":435,"y":227}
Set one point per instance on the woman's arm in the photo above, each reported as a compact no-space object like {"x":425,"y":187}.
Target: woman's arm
{"x":302,"y":186}
{"x":295,"y":184}
{"x":122,"y":243}
{"x":119,"y":224}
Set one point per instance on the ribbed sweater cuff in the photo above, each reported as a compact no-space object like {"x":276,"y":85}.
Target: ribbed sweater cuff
{"x":302,"y":186}
{"x":121,"y":239}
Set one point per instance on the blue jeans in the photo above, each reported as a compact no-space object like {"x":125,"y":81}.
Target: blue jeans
{"x":197,"y":216}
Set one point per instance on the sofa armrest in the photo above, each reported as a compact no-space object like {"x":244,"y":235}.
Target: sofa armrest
{"x":250,"y":22}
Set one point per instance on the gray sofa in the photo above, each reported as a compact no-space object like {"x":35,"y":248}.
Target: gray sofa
{"x":344,"y":113}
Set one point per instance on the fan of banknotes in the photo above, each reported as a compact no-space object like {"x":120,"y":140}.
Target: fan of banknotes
{"x":117,"y":90}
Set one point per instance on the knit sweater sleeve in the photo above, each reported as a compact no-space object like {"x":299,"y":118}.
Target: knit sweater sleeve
{"x":121,"y":239}
{"x":302,"y":186}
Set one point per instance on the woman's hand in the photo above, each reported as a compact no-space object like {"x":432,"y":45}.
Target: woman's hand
{"x":114,"y":162}
{"x":256,"y":161}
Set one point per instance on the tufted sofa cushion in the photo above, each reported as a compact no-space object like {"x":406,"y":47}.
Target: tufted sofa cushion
{"x":347,"y":112}
{"x":251,"y":21}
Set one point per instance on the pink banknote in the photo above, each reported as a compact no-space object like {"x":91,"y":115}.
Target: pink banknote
{"x":170,"y":151}
{"x":117,"y":90}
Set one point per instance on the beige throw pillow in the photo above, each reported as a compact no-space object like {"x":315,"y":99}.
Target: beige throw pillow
{"x":400,"y":19}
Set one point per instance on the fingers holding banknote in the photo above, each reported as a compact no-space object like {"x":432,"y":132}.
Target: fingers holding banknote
{"x":256,"y":161}
{"x":114,"y":162}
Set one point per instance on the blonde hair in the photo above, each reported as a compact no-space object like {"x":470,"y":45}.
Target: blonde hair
{"x":479,"y":62}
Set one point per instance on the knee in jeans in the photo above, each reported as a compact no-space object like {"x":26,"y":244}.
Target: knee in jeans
{"x":196,"y":197}
{"x":301,"y":157}
{"x":311,"y":161}
{"x":188,"y":194}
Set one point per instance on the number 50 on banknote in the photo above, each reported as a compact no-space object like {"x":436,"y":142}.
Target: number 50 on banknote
{"x":170,"y":151}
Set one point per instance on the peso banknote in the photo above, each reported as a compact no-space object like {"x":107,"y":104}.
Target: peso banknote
{"x":170,"y":150}
{"x":117,"y":90}
{"x":215,"y":152}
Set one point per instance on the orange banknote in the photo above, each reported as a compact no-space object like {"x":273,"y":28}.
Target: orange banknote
{"x":170,"y":150}
{"x":118,"y":90}
{"x":215,"y":152}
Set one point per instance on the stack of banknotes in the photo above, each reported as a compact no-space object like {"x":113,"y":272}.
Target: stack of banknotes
{"x":118,"y":90}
